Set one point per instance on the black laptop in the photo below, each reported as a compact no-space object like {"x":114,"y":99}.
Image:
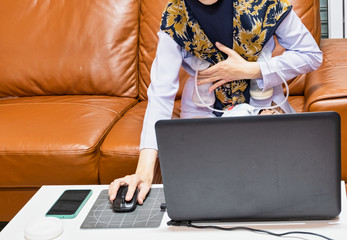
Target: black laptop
{"x":276,"y":167}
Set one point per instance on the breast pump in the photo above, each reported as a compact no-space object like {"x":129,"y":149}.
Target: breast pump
{"x":203,"y":98}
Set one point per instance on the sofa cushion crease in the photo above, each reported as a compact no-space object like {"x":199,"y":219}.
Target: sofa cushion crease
{"x":75,"y":150}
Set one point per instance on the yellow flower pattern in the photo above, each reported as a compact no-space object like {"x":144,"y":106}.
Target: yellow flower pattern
{"x":254,"y":23}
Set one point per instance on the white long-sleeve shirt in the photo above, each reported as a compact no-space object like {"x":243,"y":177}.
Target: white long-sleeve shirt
{"x":302,"y":55}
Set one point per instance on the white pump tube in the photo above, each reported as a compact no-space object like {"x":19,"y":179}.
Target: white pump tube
{"x":259,"y":108}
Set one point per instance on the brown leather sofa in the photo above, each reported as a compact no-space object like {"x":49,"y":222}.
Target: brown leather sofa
{"x":73,"y":81}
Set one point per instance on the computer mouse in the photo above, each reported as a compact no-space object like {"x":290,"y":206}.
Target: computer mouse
{"x":119,"y":203}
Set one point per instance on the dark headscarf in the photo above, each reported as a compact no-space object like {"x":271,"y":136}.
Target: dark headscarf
{"x":216,"y":20}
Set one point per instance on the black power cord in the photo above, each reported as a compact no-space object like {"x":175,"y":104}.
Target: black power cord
{"x":189,"y":224}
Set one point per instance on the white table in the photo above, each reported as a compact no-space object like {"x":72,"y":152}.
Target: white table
{"x":47,"y":195}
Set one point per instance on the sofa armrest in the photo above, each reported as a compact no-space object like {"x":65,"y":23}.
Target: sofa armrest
{"x":326,"y":89}
{"x":328,"y":85}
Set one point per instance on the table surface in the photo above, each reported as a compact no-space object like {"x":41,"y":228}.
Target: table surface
{"x":47,"y":195}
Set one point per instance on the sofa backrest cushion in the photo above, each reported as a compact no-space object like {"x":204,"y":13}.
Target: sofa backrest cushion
{"x":150,"y":16}
{"x":69,"y":47}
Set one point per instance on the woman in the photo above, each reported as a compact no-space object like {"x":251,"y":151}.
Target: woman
{"x":236,"y":38}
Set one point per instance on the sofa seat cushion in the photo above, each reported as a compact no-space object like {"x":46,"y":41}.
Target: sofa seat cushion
{"x":120,"y":150}
{"x":55,"y":140}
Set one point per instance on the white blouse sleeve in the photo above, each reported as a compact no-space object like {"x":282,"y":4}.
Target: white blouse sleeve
{"x":163,"y":88}
{"x":302,"y":53}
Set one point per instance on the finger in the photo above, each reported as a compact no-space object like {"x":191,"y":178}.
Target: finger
{"x":224,"y":49}
{"x":205,"y":80}
{"x":131,"y":188}
{"x":113,"y":189}
{"x":217,"y":84}
{"x":143,"y":193}
{"x":210,"y":71}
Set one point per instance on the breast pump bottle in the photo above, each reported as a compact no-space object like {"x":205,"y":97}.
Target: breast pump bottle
{"x":208,"y":98}
{"x":257,"y":93}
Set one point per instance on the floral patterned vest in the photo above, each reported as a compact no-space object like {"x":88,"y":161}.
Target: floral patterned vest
{"x":254,"y":23}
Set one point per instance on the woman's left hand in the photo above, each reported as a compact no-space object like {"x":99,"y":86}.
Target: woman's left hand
{"x":231,"y":69}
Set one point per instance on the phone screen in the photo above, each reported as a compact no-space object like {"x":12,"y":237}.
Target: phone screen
{"x":69,"y":203}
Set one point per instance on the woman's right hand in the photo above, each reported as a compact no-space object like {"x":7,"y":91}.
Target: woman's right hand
{"x":142,"y":179}
{"x":143,"y":183}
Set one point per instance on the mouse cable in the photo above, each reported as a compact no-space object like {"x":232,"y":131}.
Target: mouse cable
{"x":189,"y":224}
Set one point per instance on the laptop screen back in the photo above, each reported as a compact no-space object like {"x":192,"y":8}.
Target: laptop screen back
{"x":251,"y":168}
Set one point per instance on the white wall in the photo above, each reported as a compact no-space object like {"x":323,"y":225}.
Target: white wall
{"x":336,"y":28}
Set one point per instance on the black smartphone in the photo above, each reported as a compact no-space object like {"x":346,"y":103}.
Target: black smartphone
{"x":70,"y":203}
